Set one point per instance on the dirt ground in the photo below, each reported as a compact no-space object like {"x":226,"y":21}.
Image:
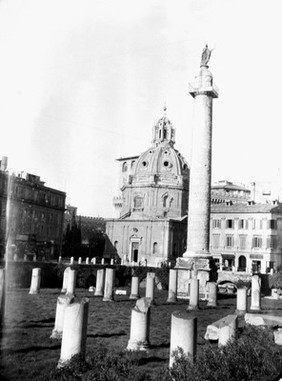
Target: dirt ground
{"x":28,"y":353}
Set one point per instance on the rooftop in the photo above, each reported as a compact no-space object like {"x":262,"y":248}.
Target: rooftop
{"x":275,"y":208}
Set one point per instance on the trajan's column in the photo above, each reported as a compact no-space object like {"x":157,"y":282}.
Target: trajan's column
{"x":197,"y":257}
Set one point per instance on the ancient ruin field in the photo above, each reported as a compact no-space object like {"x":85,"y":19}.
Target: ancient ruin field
{"x":28,"y":353}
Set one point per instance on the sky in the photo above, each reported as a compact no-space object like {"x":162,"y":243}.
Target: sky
{"x":83,"y":82}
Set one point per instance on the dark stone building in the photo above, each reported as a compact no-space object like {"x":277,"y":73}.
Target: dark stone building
{"x":32,"y":216}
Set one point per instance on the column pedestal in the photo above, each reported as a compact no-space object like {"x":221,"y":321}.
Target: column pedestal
{"x":202,"y":266}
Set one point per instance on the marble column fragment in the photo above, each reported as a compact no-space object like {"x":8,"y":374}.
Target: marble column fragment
{"x":241,"y":302}
{"x":134,"y":288}
{"x":227,"y":330}
{"x":194,"y":295}
{"x":35,"y":281}
{"x":140,"y":326}
{"x":109,"y":285}
{"x":150,"y":286}
{"x":62,"y":302}
{"x":183,"y":334}
{"x":212,"y":294}
{"x":255,"y":295}
{"x":172,"y":287}
{"x":65,"y":280}
{"x":71,"y":282}
{"x":100,"y":278}
{"x":74,"y":331}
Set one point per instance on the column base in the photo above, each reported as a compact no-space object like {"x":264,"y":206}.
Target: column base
{"x":197,"y":265}
{"x":56,"y":335}
{"x":99,"y":293}
{"x":255,"y":308}
{"x":33,"y":292}
{"x":134,"y":297}
{"x":106,"y":299}
{"x":192,"y":308}
{"x":240,"y":312}
{"x":134,"y":345}
{"x":171,"y":300}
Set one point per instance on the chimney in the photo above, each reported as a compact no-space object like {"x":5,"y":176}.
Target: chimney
{"x":253,"y":192}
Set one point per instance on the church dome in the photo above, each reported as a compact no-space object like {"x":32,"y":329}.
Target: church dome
{"x":162,"y":163}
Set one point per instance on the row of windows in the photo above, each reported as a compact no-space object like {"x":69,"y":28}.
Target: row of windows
{"x":243,"y":224}
{"x":271,"y":242}
{"x":43,"y":197}
{"x":49,"y":231}
{"x":125,"y":165}
{"x":37,"y":214}
{"x":138,"y":202}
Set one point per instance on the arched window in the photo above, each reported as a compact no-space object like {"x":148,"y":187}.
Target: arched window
{"x":132,"y":163}
{"x":165,"y":131}
{"x":242,"y":263}
{"x":165,"y":199}
{"x":124,"y":167}
{"x":155,"y":247}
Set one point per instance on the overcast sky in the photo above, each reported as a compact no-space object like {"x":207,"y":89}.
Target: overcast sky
{"x":83,"y":82}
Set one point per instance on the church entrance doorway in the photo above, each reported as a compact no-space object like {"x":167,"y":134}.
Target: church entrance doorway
{"x":134,"y":251}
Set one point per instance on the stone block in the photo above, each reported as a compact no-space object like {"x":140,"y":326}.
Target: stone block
{"x":278,"y":336}
{"x":263,"y":320}
{"x":212,"y":332}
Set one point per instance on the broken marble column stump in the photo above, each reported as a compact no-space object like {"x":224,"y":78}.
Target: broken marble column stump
{"x":109,"y":285}
{"x":194,"y":295}
{"x":172,"y":287}
{"x":62,"y":302}
{"x":65,"y":280}
{"x":35,"y":281}
{"x":74,"y":331}
{"x":241,"y":302}
{"x":183,"y":334}
{"x":140,"y":326}
{"x":150,"y":286}
{"x":134,"y":288}
{"x":71,"y":282}
{"x":255,"y":294}
{"x":212,"y":294}
{"x":99,"y":291}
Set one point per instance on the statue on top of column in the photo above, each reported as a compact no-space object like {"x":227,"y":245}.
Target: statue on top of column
{"x":206,"y":55}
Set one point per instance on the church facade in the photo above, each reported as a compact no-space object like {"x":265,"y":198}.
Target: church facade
{"x":152,"y":223}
